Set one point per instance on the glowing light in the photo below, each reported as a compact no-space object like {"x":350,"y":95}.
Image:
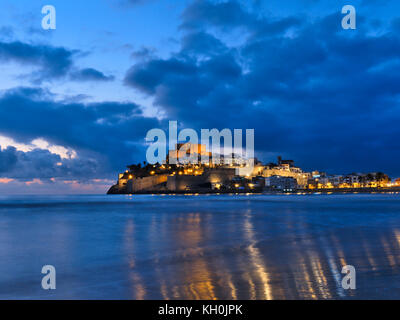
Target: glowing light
{"x":63,"y":152}
{"x":5,"y":180}
{"x":34,"y":181}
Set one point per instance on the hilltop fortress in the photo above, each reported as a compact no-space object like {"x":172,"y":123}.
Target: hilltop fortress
{"x":238,"y":175}
{"x":234,"y":175}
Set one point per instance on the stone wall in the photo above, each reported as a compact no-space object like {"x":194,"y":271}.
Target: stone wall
{"x":181,"y":182}
{"x":146,"y":183}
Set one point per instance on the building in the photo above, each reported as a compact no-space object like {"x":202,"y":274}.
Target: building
{"x":353,"y":180}
{"x":335,"y":180}
{"x":281,"y":183}
{"x":286,"y":168}
{"x":185,"y":150}
{"x":281,"y":162}
{"x":233,"y":173}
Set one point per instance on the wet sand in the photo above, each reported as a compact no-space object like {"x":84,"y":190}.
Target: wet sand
{"x":200,"y":247}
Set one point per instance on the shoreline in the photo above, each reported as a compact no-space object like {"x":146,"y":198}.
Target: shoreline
{"x":298,"y":191}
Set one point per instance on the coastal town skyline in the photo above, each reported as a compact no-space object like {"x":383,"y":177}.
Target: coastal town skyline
{"x":199,"y":157}
{"x":74,"y":111}
{"x":193,"y":169}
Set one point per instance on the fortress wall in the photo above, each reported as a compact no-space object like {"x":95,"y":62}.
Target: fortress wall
{"x":220,"y":175}
{"x":145,"y":183}
{"x":179,"y":183}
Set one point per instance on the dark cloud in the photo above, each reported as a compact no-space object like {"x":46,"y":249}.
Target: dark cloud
{"x":395,"y":23}
{"x":8,"y":159}
{"x":201,"y":13}
{"x":227,"y":15}
{"x":106,"y":136}
{"x":54,"y":62}
{"x":325,"y":96}
{"x":198,"y":43}
{"x":46,"y":166}
{"x":143,"y":53}
{"x":90,"y":74}
{"x":42,"y":164}
{"x":148,"y":76}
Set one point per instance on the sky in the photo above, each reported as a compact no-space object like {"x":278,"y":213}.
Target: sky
{"x":77,"y":102}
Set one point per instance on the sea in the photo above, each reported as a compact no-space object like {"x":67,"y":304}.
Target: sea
{"x":201,"y":246}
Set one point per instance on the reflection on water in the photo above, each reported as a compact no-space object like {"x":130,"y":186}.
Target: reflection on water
{"x":204,"y":247}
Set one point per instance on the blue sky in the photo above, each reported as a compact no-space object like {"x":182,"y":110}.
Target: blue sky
{"x":77,"y":102}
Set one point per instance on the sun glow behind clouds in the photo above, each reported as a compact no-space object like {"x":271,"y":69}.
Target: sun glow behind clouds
{"x":6,"y":180}
{"x":63,"y":152}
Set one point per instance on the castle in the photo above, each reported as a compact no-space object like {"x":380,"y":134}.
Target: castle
{"x":229,"y":174}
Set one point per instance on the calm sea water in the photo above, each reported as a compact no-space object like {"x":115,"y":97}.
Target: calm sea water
{"x":200,"y":247}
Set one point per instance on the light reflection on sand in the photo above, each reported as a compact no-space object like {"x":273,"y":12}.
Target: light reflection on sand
{"x":206,"y":247}
{"x":299,"y":266}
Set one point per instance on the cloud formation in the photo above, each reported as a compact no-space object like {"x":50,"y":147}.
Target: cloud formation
{"x":90,"y":74}
{"x":42,"y":164}
{"x":51,"y":62}
{"x":227,"y":15}
{"x":325,"y":96}
{"x":106,"y":136}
